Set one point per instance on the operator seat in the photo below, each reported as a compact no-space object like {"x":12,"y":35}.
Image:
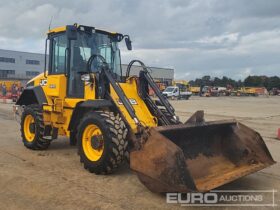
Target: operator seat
{"x":78,"y":61}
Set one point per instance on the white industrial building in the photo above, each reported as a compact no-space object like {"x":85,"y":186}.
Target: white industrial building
{"x":165,"y":75}
{"x":20,"y":65}
{"x":25,"y":65}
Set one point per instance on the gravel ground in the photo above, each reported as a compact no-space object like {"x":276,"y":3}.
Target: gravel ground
{"x":55,"y":179}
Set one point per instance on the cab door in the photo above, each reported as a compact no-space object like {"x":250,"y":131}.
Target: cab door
{"x":77,"y":64}
{"x":56,"y":80}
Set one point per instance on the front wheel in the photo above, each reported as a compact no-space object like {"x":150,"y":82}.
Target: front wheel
{"x":102,"y":143}
{"x":32,"y":128}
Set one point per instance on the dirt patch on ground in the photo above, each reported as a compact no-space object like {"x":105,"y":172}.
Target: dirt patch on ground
{"x":55,"y":179}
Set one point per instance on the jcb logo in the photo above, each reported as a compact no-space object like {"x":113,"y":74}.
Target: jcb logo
{"x":43,"y":82}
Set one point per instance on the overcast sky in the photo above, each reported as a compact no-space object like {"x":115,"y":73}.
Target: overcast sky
{"x":235,"y":38}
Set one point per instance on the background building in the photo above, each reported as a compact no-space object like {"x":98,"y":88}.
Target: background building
{"x":165,"y":75}
{"x":24,"y":65}
{"x":20,"y":65}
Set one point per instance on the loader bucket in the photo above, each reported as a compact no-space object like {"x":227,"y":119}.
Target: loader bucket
{"x":199,"y":157}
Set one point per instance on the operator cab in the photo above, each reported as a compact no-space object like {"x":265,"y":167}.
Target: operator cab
{"x":73,"y":46}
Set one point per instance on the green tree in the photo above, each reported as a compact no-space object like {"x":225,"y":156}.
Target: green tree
{"x":250,"y":81}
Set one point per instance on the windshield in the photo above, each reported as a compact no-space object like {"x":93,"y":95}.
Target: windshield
{"x":169,"y":89}
{"x":88,"y":44}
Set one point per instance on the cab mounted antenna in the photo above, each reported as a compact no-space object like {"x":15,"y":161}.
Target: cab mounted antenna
{"x":46,"y":46}
{"x":50,"y":22}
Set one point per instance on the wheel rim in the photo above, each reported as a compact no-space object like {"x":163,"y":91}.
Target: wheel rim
{"x":89,"y":133}
{"x":28,"y":132}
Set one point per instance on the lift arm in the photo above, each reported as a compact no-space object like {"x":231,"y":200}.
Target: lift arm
{"x":147,"y":80}
{"x":108,"y":75}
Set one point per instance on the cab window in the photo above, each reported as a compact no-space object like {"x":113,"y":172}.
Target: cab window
{"x":59,"y":45}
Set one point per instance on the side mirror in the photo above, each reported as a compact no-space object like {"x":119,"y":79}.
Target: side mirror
{"x":128,"y":42}
{"x":71,"y":32}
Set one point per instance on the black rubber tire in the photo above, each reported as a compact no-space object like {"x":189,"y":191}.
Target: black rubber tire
{"x":39,"y":142}
{"x":114,"y":134}
{"x":73,"y":138}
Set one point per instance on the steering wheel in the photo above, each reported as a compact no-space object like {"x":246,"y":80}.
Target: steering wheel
{"x":99,"y":64}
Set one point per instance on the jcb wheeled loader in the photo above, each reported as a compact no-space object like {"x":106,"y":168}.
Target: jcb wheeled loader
{"x":86,"y":95}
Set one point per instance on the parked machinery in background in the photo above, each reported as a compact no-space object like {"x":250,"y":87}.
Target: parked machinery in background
{"x":160,"y":85}
{"x":251,"y":91}
{"x":195,"y":90}
{"x":274,"y":92}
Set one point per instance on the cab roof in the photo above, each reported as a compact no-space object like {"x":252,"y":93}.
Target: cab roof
{"x":63,"y":28}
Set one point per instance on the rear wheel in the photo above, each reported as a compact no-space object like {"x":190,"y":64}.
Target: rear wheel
{"x":32,"y":128}
{"x":102,"y":141}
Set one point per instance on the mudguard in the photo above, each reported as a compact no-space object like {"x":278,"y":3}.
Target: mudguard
{"x":32,"y":95}
{"x":84,"y":106}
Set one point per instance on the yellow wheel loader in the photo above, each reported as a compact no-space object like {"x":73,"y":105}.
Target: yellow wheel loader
{"x":86,"y":96}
